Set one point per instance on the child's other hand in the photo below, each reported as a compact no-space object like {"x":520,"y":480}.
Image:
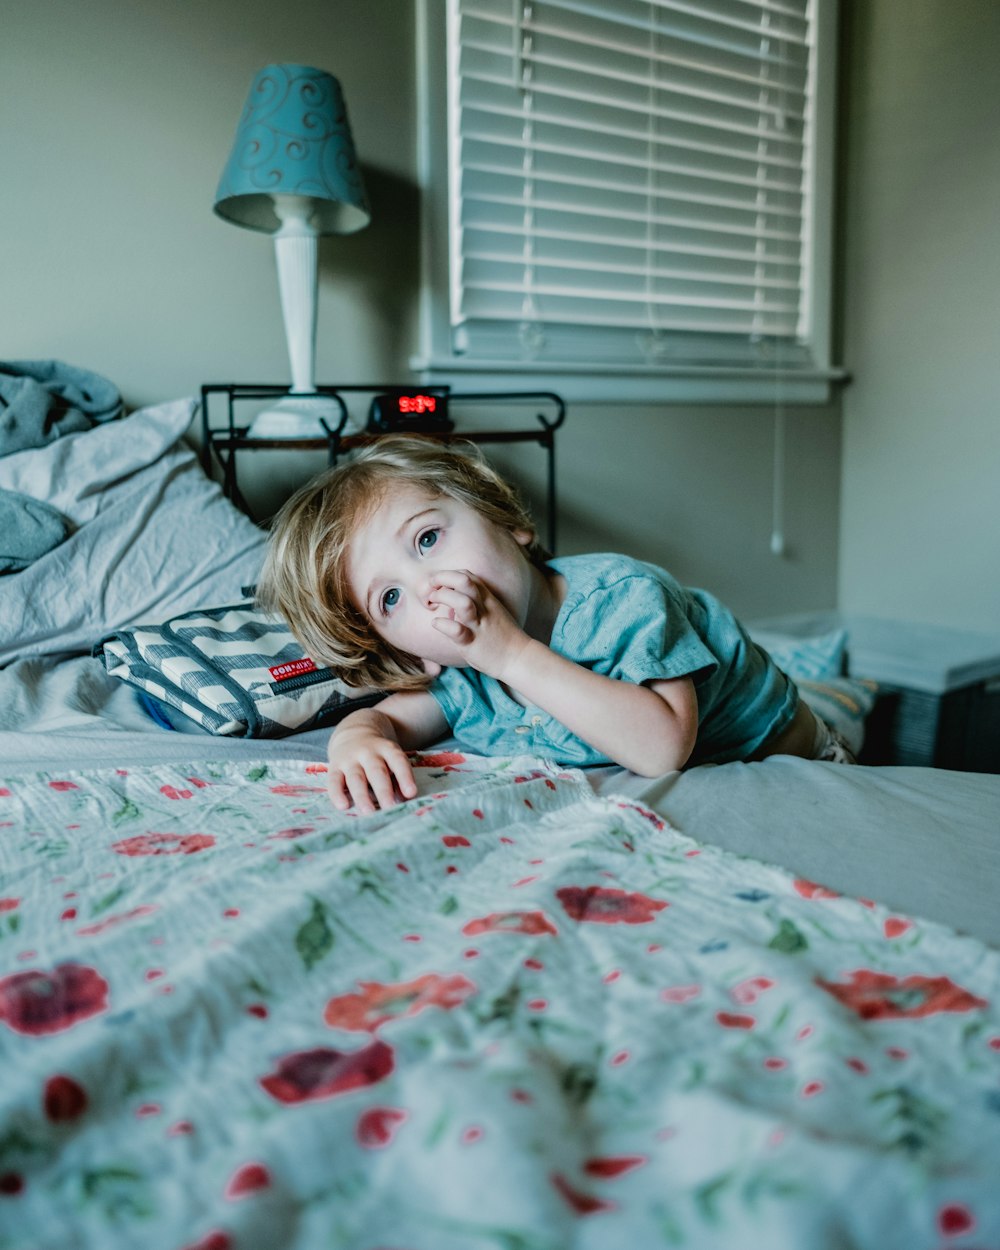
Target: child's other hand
{"x":477,"y":622}
{"x":367,"y":769}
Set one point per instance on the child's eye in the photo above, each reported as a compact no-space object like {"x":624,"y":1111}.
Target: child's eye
{"x":427,"y":539}
{"x":389,"y":600}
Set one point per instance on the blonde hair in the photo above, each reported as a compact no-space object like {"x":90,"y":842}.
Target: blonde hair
{"x":304,"y":578}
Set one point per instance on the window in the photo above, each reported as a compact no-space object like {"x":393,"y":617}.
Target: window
{"x":633,"y":190}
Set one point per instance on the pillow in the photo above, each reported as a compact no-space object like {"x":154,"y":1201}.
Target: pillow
{"x":810,"y":657}
{"x":843,"y":702}
{"x":153,"y":536}
{"x":234,"y":671}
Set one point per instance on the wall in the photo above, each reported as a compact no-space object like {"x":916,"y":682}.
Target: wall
{"x":116,"y":123}
{"x":691,"y":488}
{"x":920,"y":506}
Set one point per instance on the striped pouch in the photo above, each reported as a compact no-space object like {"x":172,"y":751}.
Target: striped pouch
{"x":235,"y":670}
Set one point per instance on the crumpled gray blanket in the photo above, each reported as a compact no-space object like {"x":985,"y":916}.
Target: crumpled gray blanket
{"x":28,"y":529}
{"x":41,"y":400}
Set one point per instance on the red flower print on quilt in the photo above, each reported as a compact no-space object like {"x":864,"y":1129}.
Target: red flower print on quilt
{"x":879,"y":996}
{"x":164,"y":844}
{"x":448,"y":760}
{"x":64,"y":1099}
{"x":37,"y":1002}
{"x":533,"y":922}
{"x":305,"y":1075}
{"x":600,"y":905}
{"x":376,"y":1003}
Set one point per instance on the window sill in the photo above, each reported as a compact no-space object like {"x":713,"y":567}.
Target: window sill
{"x":583,"y":383}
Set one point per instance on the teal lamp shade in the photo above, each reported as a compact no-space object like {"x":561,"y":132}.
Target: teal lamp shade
{"x":293,"y":139}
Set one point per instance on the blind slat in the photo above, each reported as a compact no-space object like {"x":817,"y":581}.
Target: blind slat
{"x":551,"y":177}
{"x":609,"y":159}
{"x":520,"y":115}
{"x":638,"y":16}
{"x":658,"y":112}
{"x":719,"y":95}
{"x":688,"y":223}
{"x":593,"y":49}
{"x":580,"y":241}
{"x":640,"y":320}
{"x":653,"y":273}
{"x":625,"y":295}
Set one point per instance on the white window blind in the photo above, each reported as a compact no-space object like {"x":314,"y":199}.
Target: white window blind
{"x":633,"y":182}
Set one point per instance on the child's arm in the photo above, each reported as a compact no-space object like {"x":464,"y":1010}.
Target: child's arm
{"x":649,"y":729}
{"x":367,"y":750}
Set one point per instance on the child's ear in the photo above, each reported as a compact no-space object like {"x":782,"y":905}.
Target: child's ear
{"x":431,"y":668}
{"x":523,"y":538}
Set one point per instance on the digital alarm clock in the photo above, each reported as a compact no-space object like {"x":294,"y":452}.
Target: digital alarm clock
{"x":408,"y":410}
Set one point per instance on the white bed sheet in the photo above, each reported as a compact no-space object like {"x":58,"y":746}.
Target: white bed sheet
{"x":924,"y":841}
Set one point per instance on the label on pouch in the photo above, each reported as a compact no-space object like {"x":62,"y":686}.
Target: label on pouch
{"x":293,"y":668}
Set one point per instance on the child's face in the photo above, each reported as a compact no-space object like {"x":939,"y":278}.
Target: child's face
{"x":410,"y":537}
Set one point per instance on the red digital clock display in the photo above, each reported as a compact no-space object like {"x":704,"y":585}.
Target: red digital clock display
{"x":420,"y":411}
{"x":418,"y":404}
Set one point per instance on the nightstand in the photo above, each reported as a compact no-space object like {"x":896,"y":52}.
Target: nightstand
{"x":225,"y":431}
{"x":939,"y":694}
{"x":939,"y":689}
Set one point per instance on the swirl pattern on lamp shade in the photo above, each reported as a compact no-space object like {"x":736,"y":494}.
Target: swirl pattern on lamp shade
{"x":294,"y":138}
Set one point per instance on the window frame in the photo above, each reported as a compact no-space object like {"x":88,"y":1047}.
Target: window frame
{"x":771,"y":378}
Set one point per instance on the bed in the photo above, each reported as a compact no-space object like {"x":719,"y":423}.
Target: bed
{"x":531,"y":1009}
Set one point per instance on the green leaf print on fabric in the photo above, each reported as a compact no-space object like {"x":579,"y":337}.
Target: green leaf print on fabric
{"x":16,"y":1146}
{"x":108,"y":900}
{"x":503,"y":1007}
{"x":917,"y":1120}
{"x":365,"y":879}
{"x":314,"y":939}
{"x":122,"y":1194}
{"x":789,"y":939}
{"x":127,"y":811}
{"x":579,"y":1080}
{"x":708,"y":1196}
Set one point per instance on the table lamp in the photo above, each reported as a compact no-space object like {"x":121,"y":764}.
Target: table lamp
{"x":292,"y":173}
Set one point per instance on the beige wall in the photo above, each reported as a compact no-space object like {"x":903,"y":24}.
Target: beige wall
{"x":116,"y":122}
{"x":920,"y":507}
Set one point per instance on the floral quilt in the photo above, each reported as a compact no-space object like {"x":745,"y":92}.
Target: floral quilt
{"x":507,"y":1015}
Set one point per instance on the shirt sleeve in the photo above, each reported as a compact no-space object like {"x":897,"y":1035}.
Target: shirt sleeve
{"x":449,"y":689}
{"x":636,"y":628}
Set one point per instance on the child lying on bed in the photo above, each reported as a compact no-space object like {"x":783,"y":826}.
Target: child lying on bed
{"x":414,"y":568}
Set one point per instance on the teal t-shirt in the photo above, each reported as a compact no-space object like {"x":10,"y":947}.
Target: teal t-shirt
{"x":632,"y":621}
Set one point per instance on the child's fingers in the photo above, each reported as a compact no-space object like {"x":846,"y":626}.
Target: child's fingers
{"x":373,"y":783}
{"x":460,"y":606}
{"x":337,"y":790}
{"x":356,"y":779}
{"x":455,"y":630}
{"x":402,"y":771}
{"x":380,"y":782}
{"x":458,"y":581}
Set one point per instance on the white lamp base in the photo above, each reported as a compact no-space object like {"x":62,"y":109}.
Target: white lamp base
{"x":297,"y":416}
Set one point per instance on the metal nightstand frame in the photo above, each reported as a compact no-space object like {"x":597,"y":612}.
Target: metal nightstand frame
{"x":228,"y":440}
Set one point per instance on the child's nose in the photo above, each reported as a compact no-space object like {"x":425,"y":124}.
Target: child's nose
{"x":426,"y":591}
